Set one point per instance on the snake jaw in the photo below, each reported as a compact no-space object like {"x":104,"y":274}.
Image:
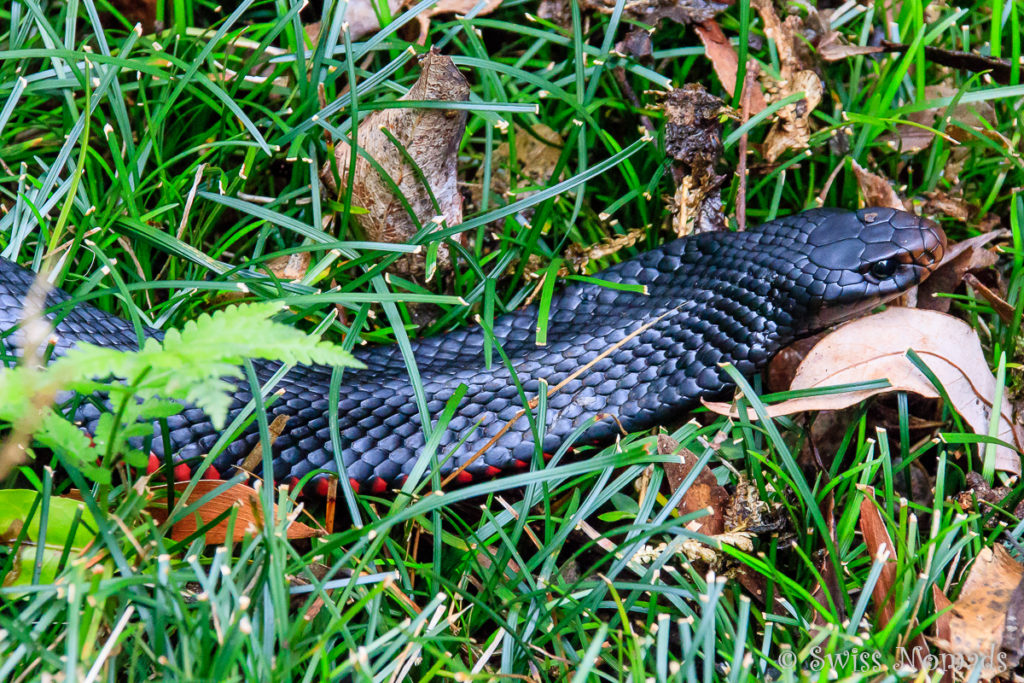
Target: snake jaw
{"x":912,"y":248}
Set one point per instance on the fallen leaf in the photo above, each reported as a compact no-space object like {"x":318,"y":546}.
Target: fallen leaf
{"x":538,"y":149}
{"x":876,"y":190}
{"x":557,"y":12}
{"x":791,"y":129}
{"x":725,"y":61}
{"x":138,"y":12}
{"x":881,"y":549}
{"x":636,"y":44}
{"x":875,"y":347}
{"x":704,"y":494}
{"x":431,"y":138}
{"x":991,"y":601}
{"x":249,"y":513}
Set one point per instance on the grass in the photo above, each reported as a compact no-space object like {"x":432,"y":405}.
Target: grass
{"x":159,"y":182}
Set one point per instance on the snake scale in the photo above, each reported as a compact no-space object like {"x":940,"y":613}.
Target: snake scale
{"x":629,"y":359}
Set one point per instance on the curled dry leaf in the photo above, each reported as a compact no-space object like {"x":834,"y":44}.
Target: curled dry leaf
{"x":431,"y":138}
{"x":986,"y":618}
{"x":792,"y":128}
{"x":245,"y":498}
{"x":637,"y":44}
{"x":876,"y":190}
{"x":693,"y":137}
{"x":875,"y":347}
{"x":832,"y":48}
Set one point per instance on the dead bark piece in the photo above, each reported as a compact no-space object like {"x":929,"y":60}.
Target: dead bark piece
{"x":1001,"y":70}
{"x":693,"y":137}
{"x":792,"y":128}
{"x":431,"y":138}
{"x":986,"y":618}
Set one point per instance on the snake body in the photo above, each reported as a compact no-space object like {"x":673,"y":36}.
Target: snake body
{"x":627,"y":359}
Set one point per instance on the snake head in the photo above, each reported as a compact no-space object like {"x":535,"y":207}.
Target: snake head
{"x":859,"y":260}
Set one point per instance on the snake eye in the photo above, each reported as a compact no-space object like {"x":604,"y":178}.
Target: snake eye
{"x":885,"y":268}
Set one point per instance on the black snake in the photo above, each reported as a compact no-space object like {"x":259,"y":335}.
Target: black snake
{"x":629,"y":359}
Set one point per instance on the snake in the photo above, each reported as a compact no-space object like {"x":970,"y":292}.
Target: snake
{"x":629,"y":348}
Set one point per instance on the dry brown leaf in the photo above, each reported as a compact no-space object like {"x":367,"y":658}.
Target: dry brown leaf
{"x":876,"y":190}
{"x":538,"y":149}
{"x":138,"y":12}
{"x":704,"y":494}
{"x":248,"y":517}
{"x":939,"y":202}
{"x":989,"y":599}
{"x":636,"y":44}
{"x":431,"y":137}
{"x":833,"y":50}
{"x":791,"y":129}
{"x":725,"y":61}
{"x":880,"y":547}
{"x":875,"y":347}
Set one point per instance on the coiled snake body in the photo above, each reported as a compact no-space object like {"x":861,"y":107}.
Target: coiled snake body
{"x":628,"y":359}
